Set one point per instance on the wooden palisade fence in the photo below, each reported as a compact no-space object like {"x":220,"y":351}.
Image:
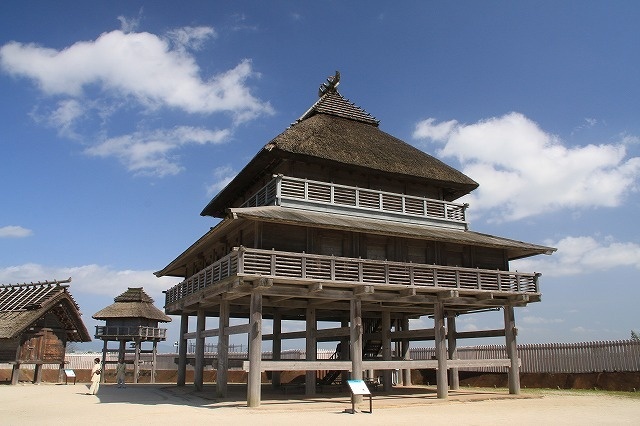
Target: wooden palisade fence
{"x":584,"y":357}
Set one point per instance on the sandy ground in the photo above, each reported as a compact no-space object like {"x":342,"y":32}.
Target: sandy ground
{"x":165,"y":404}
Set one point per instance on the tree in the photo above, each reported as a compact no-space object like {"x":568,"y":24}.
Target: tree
{"x":635,"y":336}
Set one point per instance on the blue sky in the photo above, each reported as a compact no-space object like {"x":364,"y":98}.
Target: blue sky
{"x":120,"y":120}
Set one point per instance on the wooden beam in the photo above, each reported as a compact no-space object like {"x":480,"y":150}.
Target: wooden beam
{"x":363,"y":289}
{"x":448,"y":294}
{"x":315,"y":287}
{"x":301,"y":365}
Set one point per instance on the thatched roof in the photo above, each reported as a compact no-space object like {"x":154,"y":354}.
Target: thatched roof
{"x":337,"y":133}
{"x":133,"y":303}
{"x":22,"y":305}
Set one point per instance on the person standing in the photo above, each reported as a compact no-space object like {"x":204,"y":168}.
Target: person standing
{"x":96,"y":373}
{"x":121,"y":372}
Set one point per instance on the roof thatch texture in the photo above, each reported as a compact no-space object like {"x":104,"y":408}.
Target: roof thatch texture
{"x":336,"y":132}
{"x":22,"y":305}
{"x":133,"y":303}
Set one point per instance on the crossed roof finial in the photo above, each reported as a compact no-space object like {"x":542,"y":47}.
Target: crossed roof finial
{"x":331,"y":85}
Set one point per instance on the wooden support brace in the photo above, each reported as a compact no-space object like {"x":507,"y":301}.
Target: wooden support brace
{"x":448,"y":294}
{"x":362,"y":290}
{"x":315,"y":287}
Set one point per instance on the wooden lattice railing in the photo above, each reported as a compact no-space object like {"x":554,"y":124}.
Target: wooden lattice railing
{"x":143,"y":332}
{"x":282,"y":189}
{"x":278,"y":264}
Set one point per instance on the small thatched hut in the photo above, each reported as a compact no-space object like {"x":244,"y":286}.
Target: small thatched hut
{"x":36,"y":322}
{"x":132,"y":318}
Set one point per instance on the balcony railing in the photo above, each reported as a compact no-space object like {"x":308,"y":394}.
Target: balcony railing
{"x":277,"y":264}
{"x":295,"y":192}
{"x":130,"y":332}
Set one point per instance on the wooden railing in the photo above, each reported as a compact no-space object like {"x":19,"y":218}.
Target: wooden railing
{"x":282,"y":190}
{"x":278,"y":264}
{"x":142,"y":332}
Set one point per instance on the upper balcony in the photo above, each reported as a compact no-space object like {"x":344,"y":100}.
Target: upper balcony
{"x":341,"y":199}
{"x":130,"y":333}
{"x":300,"y":268}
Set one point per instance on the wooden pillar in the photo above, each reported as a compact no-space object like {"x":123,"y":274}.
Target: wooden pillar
{"x":356,"y":342}
{"x":255,"y":351}
{"x":398,"y":350}
{"x":512,"y":350}
{"x":15,"y":373}
{"x":198,"y":374}
{"x":386,"y":349}
{"x":311,"y":347}
{"x":136,"y":362}
{"x":182,"y":350}
{"x":441,"y":350}
{"x":406,"y":373}
{"x":452,"y":348}
{"x":343,"y":351}
{"x":154,"y":360}
{"x":222,"y":370}
{"x":104,"y":361}
{"x":276,"y":348}
{"x":37,"y":374}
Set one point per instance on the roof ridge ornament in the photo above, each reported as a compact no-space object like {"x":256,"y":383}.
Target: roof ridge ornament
{"x":331,"y":84}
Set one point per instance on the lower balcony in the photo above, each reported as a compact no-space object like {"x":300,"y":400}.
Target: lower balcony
{"x":130,"y":333}
{"x":311,"y":268}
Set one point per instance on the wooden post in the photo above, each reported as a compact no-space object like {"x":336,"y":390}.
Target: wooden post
{"x":441,"y":350}
{"x":343,"y":351}
{"x":276,"y":348}
{"x":386,"y":349}
{"x":154,"y":360}
{"x":182,"y":350}
{"x":398,"y":350}
{"x":222,"y":370}
{"x":136,"y":361}
{"x":311,"y":347}
{"x":37,"y":374}
{"x":104,"y":360}
{"x":198,"y":374}
{"x":355,"y":327}
{"x":512,"y":350}
{"x":15,"y":373}
{"x":452,"y":348}
{"x":255,"y":351}
{"x":406,"y":373}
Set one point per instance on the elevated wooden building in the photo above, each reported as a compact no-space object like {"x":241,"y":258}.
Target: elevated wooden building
{"x":337,"y":222}
{"x":37,"y":320}
{"x":132,"y":318}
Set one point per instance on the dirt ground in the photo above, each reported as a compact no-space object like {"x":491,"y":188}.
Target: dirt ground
{"x":164,"y":404}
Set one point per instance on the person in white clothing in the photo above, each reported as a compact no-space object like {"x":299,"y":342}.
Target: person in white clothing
{"x":96,"y":373}
{"x":121,"y":372}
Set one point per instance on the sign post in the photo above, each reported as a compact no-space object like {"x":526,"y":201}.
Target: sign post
{"x":359,"y":387}
{"x":68,"y":373}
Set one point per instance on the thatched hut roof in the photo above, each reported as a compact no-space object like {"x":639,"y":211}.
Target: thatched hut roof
{"x":23,"y":305}
{"x":337,"y":133}
{"x":133,"y":303}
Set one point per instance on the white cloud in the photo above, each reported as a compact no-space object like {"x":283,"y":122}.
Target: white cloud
{"x":223,"y":176}
{"x":524,"y":171}
{"x":192,"y":38}
{"x":148,"y":152}
{"x":90,"y":279}
{"x":540,"y":320}
{"x":140,"y":66}
{"x":13,"y":231}
{"x":583,"y":255}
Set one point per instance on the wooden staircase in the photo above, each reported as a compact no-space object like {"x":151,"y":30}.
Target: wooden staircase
{"x":370,"y":350}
